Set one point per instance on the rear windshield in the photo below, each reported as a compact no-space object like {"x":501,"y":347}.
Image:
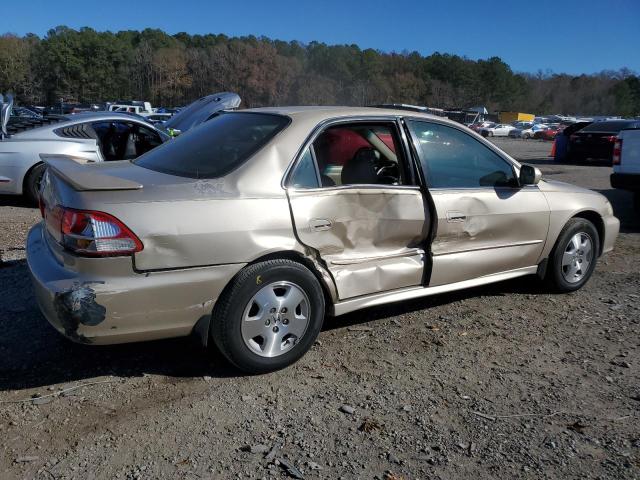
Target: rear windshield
{"x":613,"y":126}
{"x":216,"y":147}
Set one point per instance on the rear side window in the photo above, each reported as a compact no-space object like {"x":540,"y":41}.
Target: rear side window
{"x":216,"y":147}
{"x":305,"y":175}
{"x":613,"y":126}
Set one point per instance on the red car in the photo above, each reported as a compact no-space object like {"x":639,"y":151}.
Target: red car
{"x":548,"y":133}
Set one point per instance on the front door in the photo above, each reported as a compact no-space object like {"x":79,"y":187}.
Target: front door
{"x":486,"y":222}
{"x":355,"y":204}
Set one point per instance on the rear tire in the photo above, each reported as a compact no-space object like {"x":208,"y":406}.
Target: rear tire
{"x":269,"y":316}
{"x":31,"y":186}
{"x":574,"y":256}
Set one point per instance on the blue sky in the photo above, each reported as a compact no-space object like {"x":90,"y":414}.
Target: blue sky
{"x":573,"y":36}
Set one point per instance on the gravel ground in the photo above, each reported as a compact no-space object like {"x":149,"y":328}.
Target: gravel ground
{"x":505,"y":381}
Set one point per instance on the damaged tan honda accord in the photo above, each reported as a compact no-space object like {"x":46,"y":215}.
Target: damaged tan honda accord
{"x":252,"y":228}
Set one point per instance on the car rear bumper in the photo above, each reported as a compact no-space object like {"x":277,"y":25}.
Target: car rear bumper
{"x":611,"y":230}
{"x":104,"y":301}
{"x":626,"y":181}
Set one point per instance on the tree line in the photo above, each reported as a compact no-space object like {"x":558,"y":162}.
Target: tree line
{"x":89,"y":66}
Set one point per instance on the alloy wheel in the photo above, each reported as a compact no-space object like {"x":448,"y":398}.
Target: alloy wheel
{"x":275,"y":319}
{"x":577,"y":256}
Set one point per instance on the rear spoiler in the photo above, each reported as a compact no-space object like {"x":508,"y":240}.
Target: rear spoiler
{"x":5,"y":113}
{"x":82,"y":177}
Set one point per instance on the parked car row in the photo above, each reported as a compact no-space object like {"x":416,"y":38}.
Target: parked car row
{"x":575,"y":141}
{"x":523,"y":130}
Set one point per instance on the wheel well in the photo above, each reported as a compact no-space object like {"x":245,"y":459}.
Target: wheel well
{"x":26,"y":175}
{"x":596,"y":219}
{"x":300,"y":258}
{"x":202,"y":327}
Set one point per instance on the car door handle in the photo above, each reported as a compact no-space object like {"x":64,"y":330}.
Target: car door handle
{"x":456,"y":217}
{"x":320,"y":224}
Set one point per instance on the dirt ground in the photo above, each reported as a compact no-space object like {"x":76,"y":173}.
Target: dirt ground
{"x":505,"y":381}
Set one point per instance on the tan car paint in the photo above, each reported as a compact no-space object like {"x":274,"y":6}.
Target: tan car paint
{"x":566,"y":201}
{"x":484,"y":231}
{"x":103,"y":301}
{"x":198,"y":234}
{"x":370,"y":238}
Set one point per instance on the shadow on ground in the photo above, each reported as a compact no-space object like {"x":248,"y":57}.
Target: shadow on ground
{"x":622,"y":203}
{"x":34,"y":355}
{"x":14,"y":201}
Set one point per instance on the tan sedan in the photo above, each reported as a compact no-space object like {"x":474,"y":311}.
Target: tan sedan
{"x":252,"y":228}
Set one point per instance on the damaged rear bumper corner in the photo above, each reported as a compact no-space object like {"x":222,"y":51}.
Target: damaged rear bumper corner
{"x":611,"y":230}
{"x":103,"y":301}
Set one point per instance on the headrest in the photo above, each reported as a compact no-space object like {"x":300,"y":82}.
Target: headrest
{"x":361,"y":168}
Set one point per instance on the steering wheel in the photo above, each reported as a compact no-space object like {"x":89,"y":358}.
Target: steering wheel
{"x":388,"y":173}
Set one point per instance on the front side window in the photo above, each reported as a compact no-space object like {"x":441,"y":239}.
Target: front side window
{"x":216,"y":147}
{"x":451,"y":158}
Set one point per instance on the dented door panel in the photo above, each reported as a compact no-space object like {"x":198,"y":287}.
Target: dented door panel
{"x":485,"y":231}
{"x":369,"y":238}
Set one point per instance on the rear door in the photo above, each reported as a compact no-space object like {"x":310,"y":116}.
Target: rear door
{"x":486,"y":222}
{"x":355,"y":203}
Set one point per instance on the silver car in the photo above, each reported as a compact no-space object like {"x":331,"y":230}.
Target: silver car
{"x":254,"y":227}
{"x":89,"y":137}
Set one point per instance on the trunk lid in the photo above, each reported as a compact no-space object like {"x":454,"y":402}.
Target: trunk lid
{"x":200,"y":111}
{"x":594,"y":138}
{"x":73,"y":171}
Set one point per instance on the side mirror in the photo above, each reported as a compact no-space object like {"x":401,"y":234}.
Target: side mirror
{"x":529,"y":175}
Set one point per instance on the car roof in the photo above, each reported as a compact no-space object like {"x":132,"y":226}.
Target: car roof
{"x":326,"y":112}
{"x":84,"y":116}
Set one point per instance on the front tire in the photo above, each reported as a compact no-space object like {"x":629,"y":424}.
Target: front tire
{"x":269,"y":316}
{"x":31,"y":188}
{"x":574,"y":256}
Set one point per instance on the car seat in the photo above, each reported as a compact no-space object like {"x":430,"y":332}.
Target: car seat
{"x":361,"y":168}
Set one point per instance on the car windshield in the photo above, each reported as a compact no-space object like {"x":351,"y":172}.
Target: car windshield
{"x":216,"y":147}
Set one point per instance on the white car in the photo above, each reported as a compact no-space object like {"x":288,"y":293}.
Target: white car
{"x":499,"y":130}
{"x":527,"y":132}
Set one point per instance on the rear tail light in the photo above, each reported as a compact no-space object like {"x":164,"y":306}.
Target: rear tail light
{"x":612,"y":138}
{"x":94,"y":234}
{"x":617,"y":151}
